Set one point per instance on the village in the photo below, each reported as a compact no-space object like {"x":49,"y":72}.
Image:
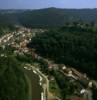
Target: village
{"x":19,"y":40}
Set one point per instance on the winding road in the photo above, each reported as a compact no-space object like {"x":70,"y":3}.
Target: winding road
{"x":43,"y":79}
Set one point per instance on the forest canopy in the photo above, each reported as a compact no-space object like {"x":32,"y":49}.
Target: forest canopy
{"x":74,"y":46}
{"x":13,"y":84}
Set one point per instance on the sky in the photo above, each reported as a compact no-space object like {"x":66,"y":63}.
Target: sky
{"x":37,"y":4}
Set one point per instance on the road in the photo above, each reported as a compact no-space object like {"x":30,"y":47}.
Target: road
{"x":87,"y":95}
{"x":34,"y":87}
{"x":45,"y":81}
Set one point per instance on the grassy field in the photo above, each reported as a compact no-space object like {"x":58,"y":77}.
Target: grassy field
{"x":29,"y":86}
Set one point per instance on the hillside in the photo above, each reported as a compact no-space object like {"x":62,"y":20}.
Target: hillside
{"x":49,"y":17}
{"x":13,"y":85}
{"x":72,"y":45}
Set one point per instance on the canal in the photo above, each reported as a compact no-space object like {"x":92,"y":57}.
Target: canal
{"x":35,"y":86}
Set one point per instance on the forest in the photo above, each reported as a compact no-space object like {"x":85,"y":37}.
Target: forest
{"x":13,"y":85}
{"x":47,"y":17}
{"x":5,"y":25}
{"x":73,"y":45}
